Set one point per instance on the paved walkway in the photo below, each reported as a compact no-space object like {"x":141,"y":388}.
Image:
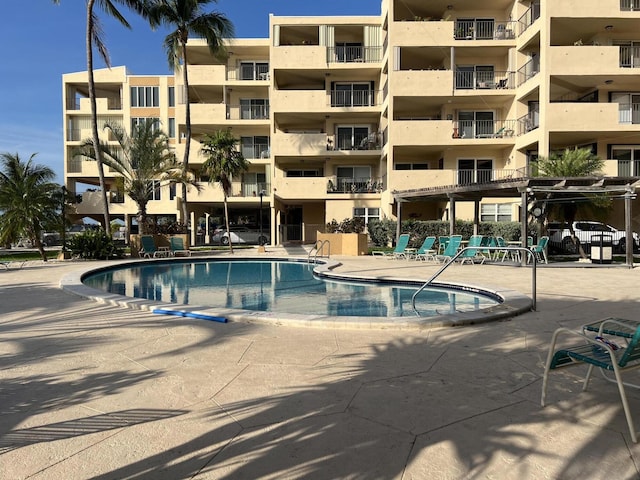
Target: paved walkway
{"x":96,"y":391}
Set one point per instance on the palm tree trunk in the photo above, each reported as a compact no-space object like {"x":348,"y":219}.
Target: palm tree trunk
{"x":142,"y":219}
{"x":94,"y":113}
{"x":226,"y":221}
{"x":187,"y":121}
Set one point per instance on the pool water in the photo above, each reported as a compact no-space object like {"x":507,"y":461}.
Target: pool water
{"x":278,"y":286}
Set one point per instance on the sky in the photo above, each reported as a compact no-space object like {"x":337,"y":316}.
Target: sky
{"x":42,"y":41}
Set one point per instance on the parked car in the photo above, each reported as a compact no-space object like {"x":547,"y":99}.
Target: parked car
{"x":239,"y":235}
{"x":54,"y":238}
{"x":560,"y":236}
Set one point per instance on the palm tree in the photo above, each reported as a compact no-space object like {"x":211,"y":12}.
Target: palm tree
{"x":223,"y":163}
{"x":94,"y":38}
{"x":188,"y":17}
{"x":26,"y":200}
{"x":576,"y":162}
{"x":144,"y":160}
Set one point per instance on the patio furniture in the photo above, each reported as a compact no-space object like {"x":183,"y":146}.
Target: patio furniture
{"x":398,"y":252}
{"x":472,"y":254}
{"x":426,"y":250}
{"x":540,"y":249}
{"x":600,"y":352}
{"x":177,"y":248}
{"x":452,"y":248}
{"x":148,"y":248}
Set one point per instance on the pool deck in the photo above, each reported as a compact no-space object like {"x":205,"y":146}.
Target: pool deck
{"x":92,"y":390}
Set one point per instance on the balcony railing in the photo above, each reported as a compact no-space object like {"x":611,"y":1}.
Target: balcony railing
{"x":629,"y":113}
{"x":353,"y":98}
{"x":528,"y":18}
{"x":628,"y":168}
{"x":255,"y":151}
{"x":247,"y":112}
{"x":526,"y":123}
{"x":484,"y":30}
{"x":527,"y":71}
{"x":73,"y":135}
{"x":355,"y":185}
{"x":250,"y":189}
{"x":355,"y":54}
{"x":629,"y":5}
{"x":358,"y":141}
{"x":484,"y":129}
{"x":484,"y":80}
{"x":256,"y":72}
{"x":470,"y":176}
{"x":629,"y":57}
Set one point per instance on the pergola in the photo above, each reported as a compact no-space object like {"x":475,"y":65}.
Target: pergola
{"x":529,"y":189}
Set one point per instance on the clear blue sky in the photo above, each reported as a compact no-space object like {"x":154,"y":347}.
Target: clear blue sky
{"x":42,"y":41}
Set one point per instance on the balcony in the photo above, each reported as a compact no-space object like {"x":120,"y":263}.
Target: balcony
{"x":484,"y":129}
{"x":301,"y":57}
{"x":293,"y":188}
{"x":248,"y":112}
{"x":527,"y":71}
{"x":596,"y":117}
{"x":204,"y":113}
{"x":484,"y":80}
{"x":422,"y":132}
{"x":255,"y":151}
{"x":355,"y":98}
{"x":211,"y":192}
{"x":594,"y":60}
{"x":354,"y":185}
{"x":439,"y":33}
{"x":300,"y":100}
{"x":354,"y":54}
{"x":484,"y":176}
{"x":410,"y":179}
{"x":484,"y":30}
{"x":205,"y":75}
{"x":104,"y":105}
{"x":592,"y":8}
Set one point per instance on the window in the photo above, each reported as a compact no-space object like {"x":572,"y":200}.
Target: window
{"x":628,"y":158}
{"x":135,"y":121}
{"x":303,"y":173}
{"x":254,"y":147}
{"x":172,"y":96}
{"x":354,"y":179}
{"x":475,"y":124}
{"x":172,"y":191}
{"x":351,"y":137}
{"x":254,"y":108}
{"x":348,"y":52}
{"x":145,"y":96}
{"x":628,"y":107}
{"x":495,"y":212}
{"x":366,"y":214}
{"x":172,"y":127}
{"x":254,"y":71}
{"x":155,"y":185}
{"x":412,"y":166}
{"x":475,"y":76}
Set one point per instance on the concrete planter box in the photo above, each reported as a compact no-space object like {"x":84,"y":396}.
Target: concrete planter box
{"x":346,"y":243}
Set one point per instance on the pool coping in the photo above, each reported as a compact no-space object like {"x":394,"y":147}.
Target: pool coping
{"x":513,"y":302}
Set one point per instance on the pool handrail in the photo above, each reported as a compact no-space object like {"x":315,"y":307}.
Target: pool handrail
{"x":452,"y":261}
{"x":319,"y":249}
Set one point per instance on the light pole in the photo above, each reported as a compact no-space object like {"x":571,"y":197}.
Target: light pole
{"x":64,"y":222}
{"x":261,"y":239}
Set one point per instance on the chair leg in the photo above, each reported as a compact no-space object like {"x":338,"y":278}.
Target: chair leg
{"x":625,"y":404}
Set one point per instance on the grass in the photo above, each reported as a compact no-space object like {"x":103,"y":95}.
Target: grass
{"x":21,"y":256}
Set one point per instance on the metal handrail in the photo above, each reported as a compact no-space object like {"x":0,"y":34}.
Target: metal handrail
{"x":502,"y":249}
{"x":318,"y":249}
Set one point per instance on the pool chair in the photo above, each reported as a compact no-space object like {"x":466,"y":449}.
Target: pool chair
{"x":426,"y":250}
{"x":473,"y":255}
{"x":398,"y":252}
{"x":148,"y":248}
{"x":443,"y":240}
{"x":606,"y":353}
{"x":176,"y":247}
{"x":452,"y":248}
{"x":540,"y":249}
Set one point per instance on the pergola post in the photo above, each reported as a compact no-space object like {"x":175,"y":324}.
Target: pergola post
{"x":523,"y":224}
{"x":399,"y":217}
{"x":452,"y":215}
{"x":628,"y":196}
{"x":476,"y":216}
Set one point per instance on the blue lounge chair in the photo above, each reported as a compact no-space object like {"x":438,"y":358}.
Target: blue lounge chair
{"x":426,"y":250}
{"x":602,"y":353}
{"x":473,"y":254}
{"x":452,"y":248}
{"x":148,"y":248}
{"x":177,"y":249}
{"x":540,"y":249}
{"x":398,"y":252}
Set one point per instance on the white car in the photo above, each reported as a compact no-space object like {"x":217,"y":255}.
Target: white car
{"x":239,"y":235}
{"x":560,"y":235}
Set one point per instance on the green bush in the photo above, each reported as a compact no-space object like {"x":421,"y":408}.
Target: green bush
{"x":94,"y":245}
{"x":348,"y":225}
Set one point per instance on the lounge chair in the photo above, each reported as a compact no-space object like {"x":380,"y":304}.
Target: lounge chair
{"x":8,"y":264}
{"x":443,"y":240}
{"x":148,"y":248}
{"x":540,"y":249}
{"x":426,"y":250}
{"x":176,"y":247}
{"x":398,"y":252}
{"x":472,"y":254}
{"x":452,"y":248}
{"x":599,"y":352}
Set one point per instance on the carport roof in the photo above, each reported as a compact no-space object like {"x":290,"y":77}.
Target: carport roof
{"x":513,"y":187}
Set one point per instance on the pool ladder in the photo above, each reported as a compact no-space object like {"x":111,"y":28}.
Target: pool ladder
{"x":318,"y":250}
{"x":453,"y":259}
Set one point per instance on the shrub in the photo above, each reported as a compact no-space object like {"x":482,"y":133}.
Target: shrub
{"x":94,"y":245}
{"x":348,"y":225}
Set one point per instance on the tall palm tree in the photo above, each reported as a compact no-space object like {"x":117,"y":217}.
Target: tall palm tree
{"x":223,"y":163}
{"x":94,"y":38}
{"x":188,"y":17}
{"x":576,"y":162}
{"x":144,"y":160}
{"x":26,"y":200}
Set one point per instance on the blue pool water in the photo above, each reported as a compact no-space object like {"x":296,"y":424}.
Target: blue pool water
{"x":278,"y":286}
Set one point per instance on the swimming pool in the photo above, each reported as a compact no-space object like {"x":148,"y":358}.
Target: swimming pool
{"x":286,"y":289}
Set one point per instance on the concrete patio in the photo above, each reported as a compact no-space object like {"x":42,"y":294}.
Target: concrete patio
{"x":89,"y":390}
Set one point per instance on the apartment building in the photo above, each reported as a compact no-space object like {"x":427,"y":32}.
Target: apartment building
{"x":342,"y":116}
